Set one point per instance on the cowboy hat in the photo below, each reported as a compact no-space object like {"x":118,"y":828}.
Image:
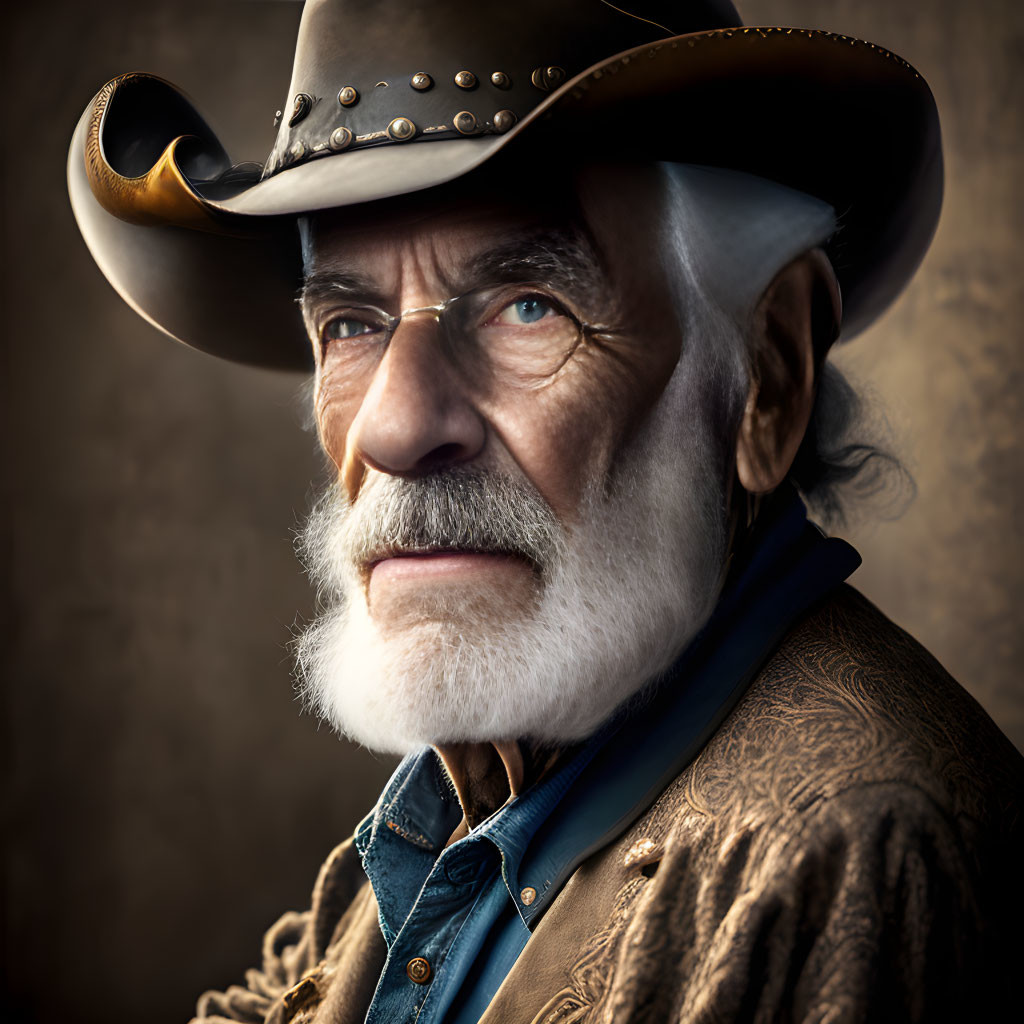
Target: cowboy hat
{"x":393,"y":97}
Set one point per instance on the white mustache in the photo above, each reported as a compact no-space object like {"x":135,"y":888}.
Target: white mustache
{"x":456,"y":509}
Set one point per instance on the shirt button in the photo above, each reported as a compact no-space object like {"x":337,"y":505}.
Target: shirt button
{"x":528,"y":895}
{"x":418,"y":970}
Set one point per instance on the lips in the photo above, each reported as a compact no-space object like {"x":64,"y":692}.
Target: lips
{"x":441,"y":563}
{"x":436,"y":554}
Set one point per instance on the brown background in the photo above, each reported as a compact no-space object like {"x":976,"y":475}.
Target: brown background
{"x":164,"y":800}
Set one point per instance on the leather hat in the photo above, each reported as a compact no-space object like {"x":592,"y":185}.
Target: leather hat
{"x":394,"y":96}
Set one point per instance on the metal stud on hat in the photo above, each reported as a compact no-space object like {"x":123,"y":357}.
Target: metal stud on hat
{"x":401,"y":129}
{"x":348,"y":96}
{"x":500,"y":80}
{"x":465,"y":122}
{"x":504,"y":120}
{"x":421,"y":81}
{"x":465,"y":80}
{"x":341,"y":138}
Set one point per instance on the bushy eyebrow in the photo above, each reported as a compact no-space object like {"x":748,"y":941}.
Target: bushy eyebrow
{"x":560,"y":258}
{"x":323,"y":285}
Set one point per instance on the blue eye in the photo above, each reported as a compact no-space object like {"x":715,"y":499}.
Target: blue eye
{"x":342,"y":328}
{"x":528,"y":310}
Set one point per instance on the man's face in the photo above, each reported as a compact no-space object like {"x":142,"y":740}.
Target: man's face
{"x":515,"y":410}
{"x":415,"y":413}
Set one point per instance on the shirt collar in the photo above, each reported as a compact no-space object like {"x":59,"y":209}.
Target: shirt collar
{"x":400,"y":840}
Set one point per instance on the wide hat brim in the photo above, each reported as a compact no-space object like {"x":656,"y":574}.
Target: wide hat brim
{"x":218,"y":268}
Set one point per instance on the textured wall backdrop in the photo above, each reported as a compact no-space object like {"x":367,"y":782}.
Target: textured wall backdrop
{"x":164,"y":801}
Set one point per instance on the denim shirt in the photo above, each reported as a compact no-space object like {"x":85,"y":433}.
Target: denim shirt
{"x":455,"y":919}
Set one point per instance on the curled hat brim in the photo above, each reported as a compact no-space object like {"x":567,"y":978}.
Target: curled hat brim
{"x":215,"y":264}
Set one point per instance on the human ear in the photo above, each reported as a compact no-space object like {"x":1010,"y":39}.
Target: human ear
{"x":795,"y":322}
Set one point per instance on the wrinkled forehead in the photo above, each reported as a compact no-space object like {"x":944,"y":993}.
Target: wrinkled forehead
{"x":587,"y":214}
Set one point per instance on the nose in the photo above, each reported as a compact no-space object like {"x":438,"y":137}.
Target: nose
{"x":417,"y":414}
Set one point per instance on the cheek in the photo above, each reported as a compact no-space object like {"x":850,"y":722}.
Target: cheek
{"x":335,"y":405}
{"x":554,"y":444}
{"x":566,"y":435}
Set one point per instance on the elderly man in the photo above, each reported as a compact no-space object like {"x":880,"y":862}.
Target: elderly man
{"x":661,"y":763}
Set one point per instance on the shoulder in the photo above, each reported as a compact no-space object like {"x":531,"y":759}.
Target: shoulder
{"x":850,"y":702}
{"x":857,"y":816}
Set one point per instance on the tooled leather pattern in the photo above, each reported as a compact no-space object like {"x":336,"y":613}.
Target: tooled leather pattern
{"x":852,"y":751}
{"x":589,"y":975}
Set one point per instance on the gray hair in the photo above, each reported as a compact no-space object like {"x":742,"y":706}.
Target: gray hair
{"x":729,"y":234}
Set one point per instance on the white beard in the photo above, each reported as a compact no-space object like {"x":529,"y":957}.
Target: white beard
{"x":623,"y":590}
